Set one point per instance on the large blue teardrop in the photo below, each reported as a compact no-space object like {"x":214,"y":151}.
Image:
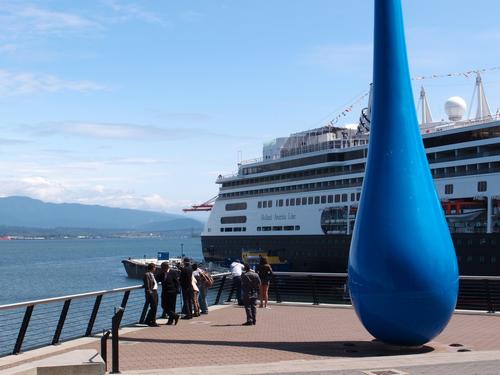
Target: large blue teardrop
{"x":403,"y":273}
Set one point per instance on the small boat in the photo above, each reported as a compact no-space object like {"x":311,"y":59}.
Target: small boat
{"x":136,"y":268}
{"x":252,"y":257}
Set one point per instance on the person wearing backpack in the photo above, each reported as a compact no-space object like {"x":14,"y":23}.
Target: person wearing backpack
{"x":205,"y":281}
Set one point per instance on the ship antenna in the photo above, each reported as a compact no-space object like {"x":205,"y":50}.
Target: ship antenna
{"x":483,"y":109}
{"x":426,"y":112}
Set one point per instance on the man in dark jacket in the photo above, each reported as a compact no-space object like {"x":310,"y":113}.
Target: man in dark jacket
{"x":250,"y":284}
{"x":169,"y":288}
{"x":186,"y":280}
{"x":151,"y":289}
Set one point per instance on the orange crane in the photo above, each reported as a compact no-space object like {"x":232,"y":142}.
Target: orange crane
{"x":205,"y":206}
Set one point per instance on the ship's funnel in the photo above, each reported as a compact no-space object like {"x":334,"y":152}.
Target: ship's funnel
{"x":403,"y":273}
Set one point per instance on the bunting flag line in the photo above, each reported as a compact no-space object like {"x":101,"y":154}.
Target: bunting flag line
{"x":347,"y":109}
{"x":466,"y":74}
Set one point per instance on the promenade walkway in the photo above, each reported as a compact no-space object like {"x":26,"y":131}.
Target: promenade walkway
{"x":296,"y":339}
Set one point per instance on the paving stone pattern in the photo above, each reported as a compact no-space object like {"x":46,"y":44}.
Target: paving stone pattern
{"x":285,"y":333}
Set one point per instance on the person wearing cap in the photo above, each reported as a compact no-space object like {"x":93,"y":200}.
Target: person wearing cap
{"x":151,"y":289}
{"x":186,"y":280}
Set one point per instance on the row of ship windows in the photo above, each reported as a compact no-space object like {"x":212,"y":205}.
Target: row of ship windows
{"x":432,"y":157}
{"x":233,"y":229}
{"x":335,"y":184}
{"x":275,"y":228}
{"x":310,"y":200}
{"x":482,"y":186}
{"x":462,"y":170}
{"x":278,"y":228}
{"x":435,"y":141}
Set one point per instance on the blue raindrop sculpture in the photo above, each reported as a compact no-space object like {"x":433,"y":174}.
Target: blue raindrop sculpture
{"x":403,"y":273}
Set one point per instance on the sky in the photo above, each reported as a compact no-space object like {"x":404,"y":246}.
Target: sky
{"x":141,"y":104}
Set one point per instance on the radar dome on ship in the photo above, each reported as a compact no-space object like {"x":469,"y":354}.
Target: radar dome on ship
{"x":455,"y":108}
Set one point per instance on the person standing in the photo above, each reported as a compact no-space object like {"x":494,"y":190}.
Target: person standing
{"x":169,"y":289}
{"x":265,"y":273}
{"x":151,"y":288}
{"x":236,"y":271}
{"x":202,"y":280}
{"x":196,"y":291}
{"x":250,"y":284}
{"x":186,"y":280}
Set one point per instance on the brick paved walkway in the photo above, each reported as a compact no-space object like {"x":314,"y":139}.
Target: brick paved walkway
{"x":283,"y":333}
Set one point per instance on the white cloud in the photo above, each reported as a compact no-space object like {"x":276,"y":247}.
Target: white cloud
{"x":47,"y":21}
{"x":86,"y":192}
{"x":128,"y":11}
{"x":117,"y":131}
{"x":340,"y":57}
{"x":21,"y":83}
{"x":18,"y":20}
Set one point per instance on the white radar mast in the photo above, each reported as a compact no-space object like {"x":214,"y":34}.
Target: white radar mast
{"x":483,"y":109}
{"x":425,"y":110}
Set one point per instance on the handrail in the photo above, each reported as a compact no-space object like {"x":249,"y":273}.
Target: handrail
{"x":134,"y":287}
{"x":83,"y":295}
{"x":344,"y":274}
{"x":71,"y":296}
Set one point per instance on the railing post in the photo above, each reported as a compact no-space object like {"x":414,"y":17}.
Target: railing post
{"x":231,"y":292}
{"x":115,"y":326}
{"x":104,"y":348}
{"x":221,"y":288}
{"x":93,"y":316}
{"x":277,"y":290}
{"x":491,"y":308}
{"x":143,"y":313}
{"x":124,"y":304}
{"x":23,"y":329}
{"x":314,"y":291}
{"x":60,"y":323}
{"x":125,"y":299}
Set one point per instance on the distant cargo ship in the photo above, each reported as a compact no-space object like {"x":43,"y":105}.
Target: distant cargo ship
{"x":299,"y":201}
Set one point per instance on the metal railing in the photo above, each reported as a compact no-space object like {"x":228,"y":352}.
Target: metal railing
{"x":33,"y":324}
{"x":481,"y":293}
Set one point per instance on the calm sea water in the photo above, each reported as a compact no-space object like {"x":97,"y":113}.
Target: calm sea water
{"x":41,"y":268}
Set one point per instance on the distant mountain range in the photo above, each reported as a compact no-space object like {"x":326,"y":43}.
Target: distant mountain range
{"x":33,"y":213}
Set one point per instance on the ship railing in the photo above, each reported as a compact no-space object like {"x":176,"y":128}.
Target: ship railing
{"x":38,"y":323}
{"x":50,"y":321}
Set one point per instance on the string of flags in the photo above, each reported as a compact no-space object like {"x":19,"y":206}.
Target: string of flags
{"x":466,"y":74}
{"x":456,"y":74}
{"x":348,"y":109}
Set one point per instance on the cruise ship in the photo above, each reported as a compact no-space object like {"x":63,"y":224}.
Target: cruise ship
{"x":299,"y":201}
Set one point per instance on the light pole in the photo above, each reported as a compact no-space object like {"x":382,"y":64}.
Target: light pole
{"x":182,"y":250}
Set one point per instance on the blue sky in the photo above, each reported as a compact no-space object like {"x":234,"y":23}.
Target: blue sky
{"x":141,"y":104}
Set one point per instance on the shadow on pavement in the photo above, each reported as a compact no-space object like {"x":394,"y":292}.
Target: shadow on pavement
{"x":316,"y":348}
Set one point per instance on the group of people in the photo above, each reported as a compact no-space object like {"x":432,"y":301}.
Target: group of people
{"x":194,"y":283}
{"x":249,"y":284}
{"x":188,"y":278}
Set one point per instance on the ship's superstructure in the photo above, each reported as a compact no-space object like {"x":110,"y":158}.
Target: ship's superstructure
{"x":299,"y":201}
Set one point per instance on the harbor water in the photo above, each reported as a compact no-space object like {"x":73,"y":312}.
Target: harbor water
{"x":35,"y":269}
